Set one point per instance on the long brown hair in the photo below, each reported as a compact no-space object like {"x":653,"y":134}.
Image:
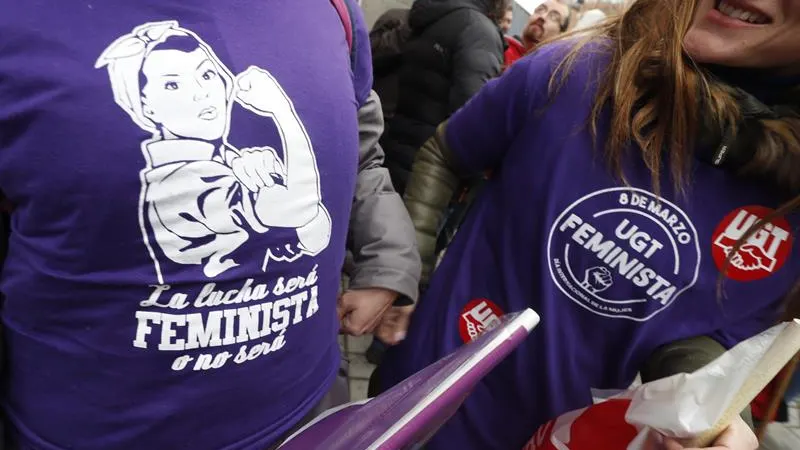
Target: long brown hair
{"x":659,"y":98}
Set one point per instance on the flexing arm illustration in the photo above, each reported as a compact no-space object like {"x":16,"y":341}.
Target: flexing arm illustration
{"x":298,"y":202}
{"x":172,"y":85}
{"x":201,"y":198}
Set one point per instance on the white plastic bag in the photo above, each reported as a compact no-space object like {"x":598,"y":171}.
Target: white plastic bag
{"x":691,"y":407}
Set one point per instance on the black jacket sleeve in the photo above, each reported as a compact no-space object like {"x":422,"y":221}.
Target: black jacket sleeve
{"x":477,"y":58}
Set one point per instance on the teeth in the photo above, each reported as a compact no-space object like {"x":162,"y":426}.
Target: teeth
{"x":736,"y":13}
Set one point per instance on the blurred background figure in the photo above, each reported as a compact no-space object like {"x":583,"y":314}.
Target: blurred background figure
{"x":549,"y":19}
{"x":506,"y":19}
{"x":387,"y":38}
{"x":454,"y":49}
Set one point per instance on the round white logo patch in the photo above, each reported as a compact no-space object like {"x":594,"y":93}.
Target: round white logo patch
{"x":623,"y":253}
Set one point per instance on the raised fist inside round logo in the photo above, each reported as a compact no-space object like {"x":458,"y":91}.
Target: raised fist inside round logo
{"x":623,"y":253}
{"x":762,"y":254}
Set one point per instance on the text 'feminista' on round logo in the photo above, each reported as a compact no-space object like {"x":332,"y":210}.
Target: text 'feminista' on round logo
{"x":623,"y":253}
{"x":478,"y":316}
{"x":762,"y":254}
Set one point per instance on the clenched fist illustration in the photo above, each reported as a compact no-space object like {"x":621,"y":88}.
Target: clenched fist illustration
{"x":259,"y":90}
{"x":258,"y":168}
{"x":597,"y":279}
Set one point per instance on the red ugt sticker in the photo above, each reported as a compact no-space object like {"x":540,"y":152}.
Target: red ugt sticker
{"x":763,"y":253}
{"x":478,"y":316}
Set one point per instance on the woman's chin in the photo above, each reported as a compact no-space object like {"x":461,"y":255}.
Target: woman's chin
{"x":210,"y":133}
{"x":703,"y":48}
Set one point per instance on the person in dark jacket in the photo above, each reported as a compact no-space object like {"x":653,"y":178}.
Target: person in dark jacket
{"x":454,"y":49}
{"x":387,"y":38}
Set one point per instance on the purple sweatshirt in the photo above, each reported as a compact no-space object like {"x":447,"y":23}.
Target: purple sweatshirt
{"x":615,"y":272}
{"x":183,"y":174}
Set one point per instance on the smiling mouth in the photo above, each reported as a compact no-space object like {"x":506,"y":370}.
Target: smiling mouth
{"x":747,"y":15}
{"x":209,"y":113}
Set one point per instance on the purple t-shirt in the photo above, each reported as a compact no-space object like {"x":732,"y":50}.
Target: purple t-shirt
{"x":615,"y":272}
{"x":183,"y":174}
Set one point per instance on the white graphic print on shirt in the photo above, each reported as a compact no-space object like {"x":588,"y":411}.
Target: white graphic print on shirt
{"x":202,"y":198}
{"x":623,"y":253}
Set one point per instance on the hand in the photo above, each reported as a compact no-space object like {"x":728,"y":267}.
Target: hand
{"x":360,"y":310}
{"x":738,"y":436}
{"x":255,"y":168}
{"x":597,"y":279}
{"x":394,"y":324}
{"x":260,"y":91}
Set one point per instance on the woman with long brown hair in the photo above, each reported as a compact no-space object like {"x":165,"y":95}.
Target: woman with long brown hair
{"x":643,"y":201}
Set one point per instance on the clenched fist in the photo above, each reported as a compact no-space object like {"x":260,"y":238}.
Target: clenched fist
{"x":360,"y":310}
{"x":257,"y":167}
{"x":260,"y":91}
{"x":597,"y":279}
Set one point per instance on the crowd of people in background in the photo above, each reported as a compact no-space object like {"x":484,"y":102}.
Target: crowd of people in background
{"x":429,"y":60}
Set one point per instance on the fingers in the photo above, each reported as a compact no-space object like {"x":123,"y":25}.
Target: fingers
{"x":654,"y":441}
{"x":343,"y":310}
{"x":361,"y":321}
{"x":247,"y":80}
{"x":353,"y":325}
{"x":340,"y":308}
{"x":254,"y":168}
{"x":239,"y":168}
{"x":394,"y":324}
{"x":738,"y":436}
{"x":252,"y":172}
{"x":402,"y":322}
{"x":362,"y":309}
{"x":258,"y":88}
{"x":358,"y":319}
{"x":671,"y":444}
{"x":263,"y":165}
{"x":246,"y":85}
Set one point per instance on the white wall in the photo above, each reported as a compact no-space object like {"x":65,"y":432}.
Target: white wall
{"x":520,"y":20}
{"x":529,"y":5}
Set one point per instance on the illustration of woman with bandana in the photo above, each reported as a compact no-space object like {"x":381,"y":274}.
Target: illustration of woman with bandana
{"x":201,"y":196}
